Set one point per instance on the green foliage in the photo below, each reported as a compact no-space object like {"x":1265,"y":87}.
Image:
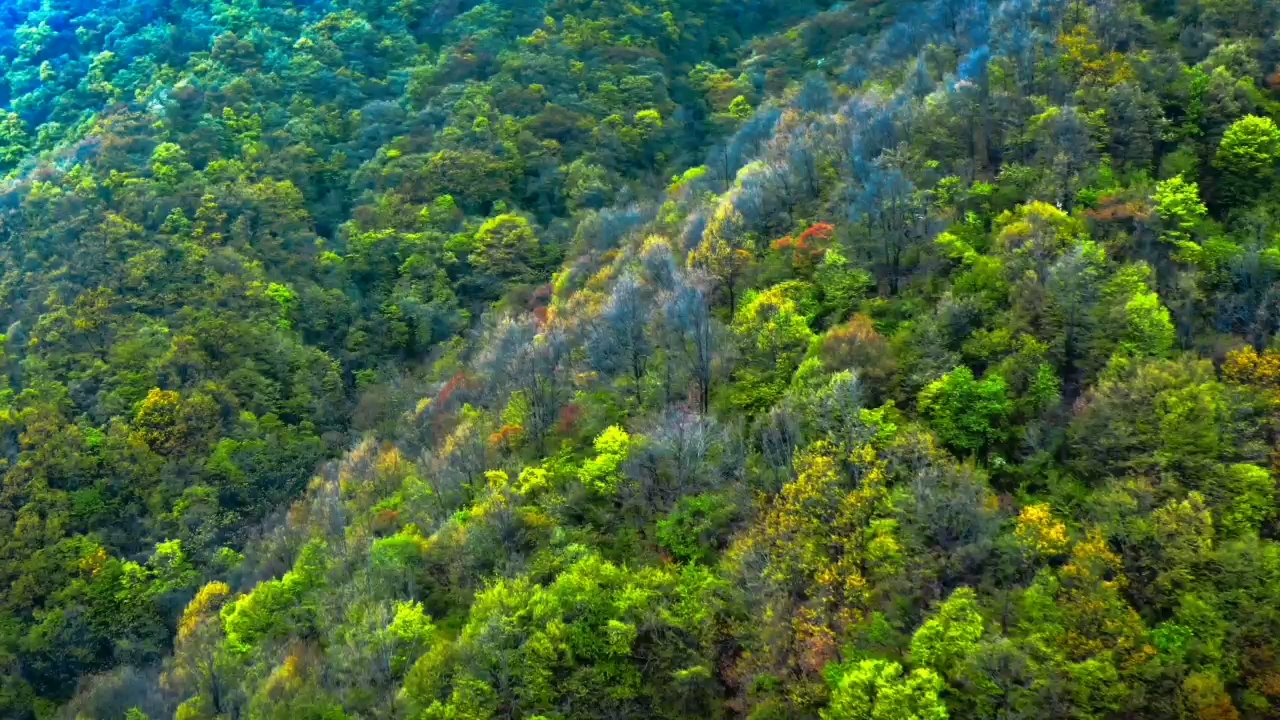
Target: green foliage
{"x":1247,"y":157}
{"x":1251,"y":490}
{"x":946,"y":639}
{"x":842,"y":285}
{"x":14,"y":140}
{"x":601,"y":473}
{"x":968,"y":414}
{"x":169,"y":163}
{"x":507,"y":248}
{"x":1149,"y":329}
{"x":772,"y":328}
{"x":411,"y":634}
{"x":877,"y":690}
{"x":239,"y":275}
{"x":1179,"y":205}
{"x":697,"y":526}
{"x":287,"y":299}
{"x":573,"y":642}
{"x":276,"y":608}
{"x":1168,"y":416}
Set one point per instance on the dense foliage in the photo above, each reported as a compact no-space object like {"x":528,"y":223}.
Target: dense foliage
{"x":669,"y":359}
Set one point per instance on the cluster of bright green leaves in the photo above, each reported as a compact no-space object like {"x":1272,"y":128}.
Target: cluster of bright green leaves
{"x":967,"y":414}
{"x":599,"y":639}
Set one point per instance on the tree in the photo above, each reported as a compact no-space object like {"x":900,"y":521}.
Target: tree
{"x":276,"y":608}
{"x":396,"y":561}
{"x":409,"y":636}
{"x":695,"y":333}
{"x":681,"y":455}
{"x":816,"y":559}
{"x":475,"y":177}
{"x":969,"y":415}
{"x":169,"y":163}
{"x":507,"y":248}
{"x":877,"y":690}
{"x":1149,"y":330}
{"x":723,"y":253}
{"x":601,"y":473}
{"x":200,"y":668}
{"x":696,"y":528}
{"x":842,"y":286}
{"x":597,"y":639}
{"x":1178,"y":202}
{"x":620,"y":341}
{"x":1156,"y":416}
{"x":892,"y":218}
{"x":1247,"y":158}
{"x":525,"y":359}
{"x":1071,"y":323}
{"x":1033,"y":236}
{"x":857,"y":345}
{"x":946,"y":639}
{"x":1039,"y":533}
{"x":1252,"y":493}
{"x":15,"y":143}
{"x":772,"y":329}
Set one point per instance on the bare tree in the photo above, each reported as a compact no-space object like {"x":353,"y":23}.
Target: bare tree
{"x":618,"y":341}
{"x":688,"y":313}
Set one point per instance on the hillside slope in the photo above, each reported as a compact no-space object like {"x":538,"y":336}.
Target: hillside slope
{"x":852,"y":361}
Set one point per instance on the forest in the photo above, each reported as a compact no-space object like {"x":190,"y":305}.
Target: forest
{"x":676,"y":359}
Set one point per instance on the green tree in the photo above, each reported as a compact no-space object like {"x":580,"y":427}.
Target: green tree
{"x":1252,"y":499}
{"x":169,"y":163}
{"x":772,"y":328}
{"x":878,"y":690}
{"x":1181,"y":211}
{"x":947,"y":638}
{"x":15,"y":143}
{"x":276,"y":608}
{"x":507,"y":248}
{"x":1247,"y":158}
{"x":598,"y":640}
{"x":696,"y":527}
{"x":602,"y":473}
{"x":1148,"y":328}
{"x":724,"y":252}
{"x":968,"y":415}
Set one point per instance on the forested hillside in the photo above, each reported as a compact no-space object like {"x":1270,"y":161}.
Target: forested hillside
{"x":897,"y":360}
